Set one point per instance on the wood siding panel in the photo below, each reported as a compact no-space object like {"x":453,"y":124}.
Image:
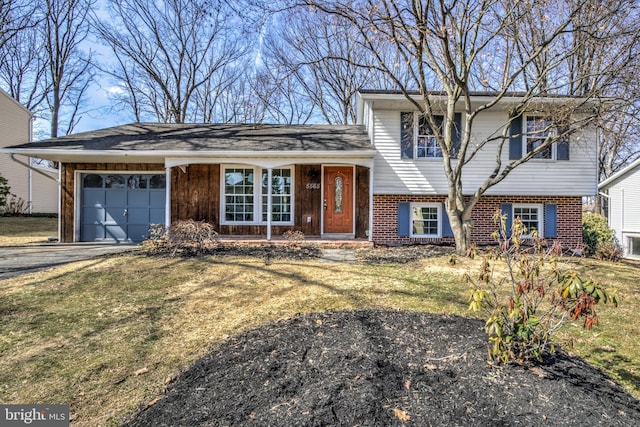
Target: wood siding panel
{"x":195,"y":194}
{"x":362,"y":201}
{"x":394,"y":175}
{"x":308,"y":202}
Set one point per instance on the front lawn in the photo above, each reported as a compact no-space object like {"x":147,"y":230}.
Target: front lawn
{"x":27,"y":230}
{"x":106,"y":335}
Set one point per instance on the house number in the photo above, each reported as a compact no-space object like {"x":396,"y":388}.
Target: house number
{"x":313,"y":186}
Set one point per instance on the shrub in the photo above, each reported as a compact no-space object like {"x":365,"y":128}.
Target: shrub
{"x":595,"y":229}
{"x":15,"y":206}
{"x":536,"y":296}
{"x":189,"y":237}
{"x":608,"y":251}
{"x":5,"y":192}
{"x":294,"y":237}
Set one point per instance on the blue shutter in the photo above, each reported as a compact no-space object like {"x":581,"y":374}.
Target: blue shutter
{"x":507,"y":209}
{"x":550,"y":220}
{"x":404,"y":219}
{"x":446,"y":225}
{"x":515,"y":139}
{"x":406,"y":135}
{"x":457,"y":135}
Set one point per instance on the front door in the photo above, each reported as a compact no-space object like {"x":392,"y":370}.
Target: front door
{"x":338,"y":199}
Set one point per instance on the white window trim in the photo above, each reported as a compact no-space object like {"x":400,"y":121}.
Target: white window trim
{"x":257,"y":195}
{"x":416,"y":138}
{"x":526,"y":137}
{"x":438,"y":206}
{"x":629,"y":247}
{"x":540,"y":208}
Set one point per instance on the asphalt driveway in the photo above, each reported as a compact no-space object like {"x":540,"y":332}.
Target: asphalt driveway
{"x":18,"y":260}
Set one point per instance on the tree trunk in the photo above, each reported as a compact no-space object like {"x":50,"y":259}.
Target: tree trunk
{"x":461,"y":225}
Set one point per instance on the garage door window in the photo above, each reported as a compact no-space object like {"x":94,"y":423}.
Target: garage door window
{"x":115,"y":181}
{"x":92,"y":181}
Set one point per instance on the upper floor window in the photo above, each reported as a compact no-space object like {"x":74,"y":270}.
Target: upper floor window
{"x":418,"y":139}
{"x":427,"y":145}
{"x":538,"y":130}
{"x":532,"y":131}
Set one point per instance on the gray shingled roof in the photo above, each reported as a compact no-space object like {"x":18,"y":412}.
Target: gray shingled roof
{"x":213,"y":137}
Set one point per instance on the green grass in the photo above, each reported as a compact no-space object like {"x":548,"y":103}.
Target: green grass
{"x":105,"y":335}
{"x":26,"y":230}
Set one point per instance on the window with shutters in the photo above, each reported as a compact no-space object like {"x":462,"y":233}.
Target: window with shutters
{"x":537,"y":130}
{"x":427,"y":146}
{"x":425,"y":219}
{"x":531,"y":217}
{"x":418,"y":139}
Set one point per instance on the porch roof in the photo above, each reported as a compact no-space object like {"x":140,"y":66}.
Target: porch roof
{"x":153,"y":141}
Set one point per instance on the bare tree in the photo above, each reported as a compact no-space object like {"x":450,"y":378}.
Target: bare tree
{"x":167,"y":50}
{"x":15,"y":16}
{"x":23,"y":69}
{"x":455,"y":48}
{"x":65,"y":27}
{"x":320,"y":54}
{"x":282,"y":98}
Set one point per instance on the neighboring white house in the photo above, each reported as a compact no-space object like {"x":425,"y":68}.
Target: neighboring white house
{"x":39,"y":193}
{"x":623,"y":189}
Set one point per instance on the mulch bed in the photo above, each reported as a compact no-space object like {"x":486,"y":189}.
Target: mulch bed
{"x":379,"y":368}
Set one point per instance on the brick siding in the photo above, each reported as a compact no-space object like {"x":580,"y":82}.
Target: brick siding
{"x":385,"y":212}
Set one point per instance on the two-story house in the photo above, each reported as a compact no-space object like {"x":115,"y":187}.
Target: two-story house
{"x":37,"y":193}
{"x":380,"y":180}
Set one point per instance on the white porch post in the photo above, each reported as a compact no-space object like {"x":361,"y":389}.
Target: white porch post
{"x":269,"y":196}
{"x":371,"y":202}
{"x":167,"y":197}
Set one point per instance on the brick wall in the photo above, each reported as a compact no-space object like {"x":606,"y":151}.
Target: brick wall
{"x":385,"y":221}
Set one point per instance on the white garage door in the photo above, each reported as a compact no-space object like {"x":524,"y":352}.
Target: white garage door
{"x":120,"y":207}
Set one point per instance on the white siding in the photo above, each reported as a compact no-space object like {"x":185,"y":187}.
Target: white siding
{"x":394,"y":175}
{"x":624,"y":207}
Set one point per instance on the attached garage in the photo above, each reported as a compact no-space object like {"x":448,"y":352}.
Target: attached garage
{"x":116,"y":182}
{"x":119,"y":207}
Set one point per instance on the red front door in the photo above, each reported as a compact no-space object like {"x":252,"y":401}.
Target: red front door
{"x":338,"y":199}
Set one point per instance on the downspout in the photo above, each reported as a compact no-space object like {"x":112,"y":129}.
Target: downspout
{"x":30,"y":179}
{"x":30,"y":191}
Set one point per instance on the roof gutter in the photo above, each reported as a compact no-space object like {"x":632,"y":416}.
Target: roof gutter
{"x":28,"y":166}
